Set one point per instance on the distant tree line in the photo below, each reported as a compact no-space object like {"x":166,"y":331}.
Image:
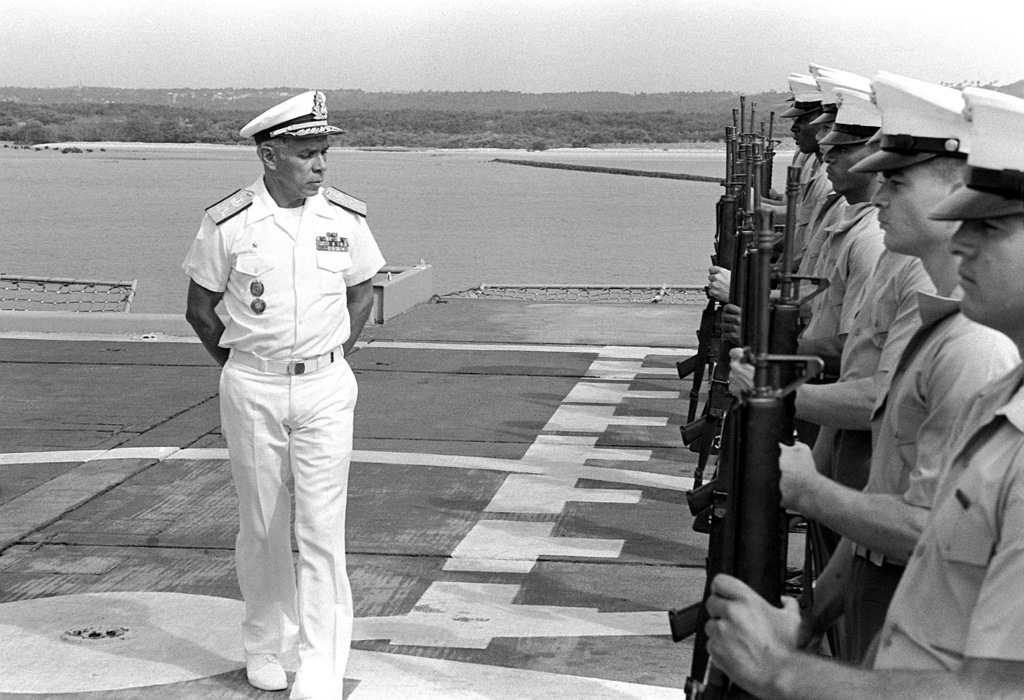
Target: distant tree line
{"x":31,"y":123}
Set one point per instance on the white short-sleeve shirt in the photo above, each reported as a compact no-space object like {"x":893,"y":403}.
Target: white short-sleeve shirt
{"x":284,"y":294}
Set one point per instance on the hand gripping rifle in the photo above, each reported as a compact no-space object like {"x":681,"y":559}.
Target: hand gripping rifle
{"x":748,"y":528}
{"x":709,"y":335}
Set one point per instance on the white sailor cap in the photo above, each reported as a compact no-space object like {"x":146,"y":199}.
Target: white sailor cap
{"x":920,"y":121}
{"x":994,"y":181}
{"x":806,"y":96}
{"x":828,"y":80}
{"x":815,"y":69}
{"x":856,"y":121}
{"x":300,"y":116}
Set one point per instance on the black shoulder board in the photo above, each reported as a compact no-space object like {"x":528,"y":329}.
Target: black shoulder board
{"x":345,"y":201}
{"x":234,"y":203}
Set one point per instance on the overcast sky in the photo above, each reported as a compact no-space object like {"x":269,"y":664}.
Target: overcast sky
{"x":522,"y":45}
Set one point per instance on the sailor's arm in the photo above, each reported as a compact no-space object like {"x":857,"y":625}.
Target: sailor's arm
{"x":882,"y":522}
{"x":204,"y":320}
{"x":360,"y":303}
{"x":754,"y":643}
{"x":843,"y":405}
{"x":803,"y":677}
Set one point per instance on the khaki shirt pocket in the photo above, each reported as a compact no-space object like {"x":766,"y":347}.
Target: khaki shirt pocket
{"x":963,"y":533}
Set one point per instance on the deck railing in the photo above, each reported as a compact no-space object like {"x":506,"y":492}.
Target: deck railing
{"x":24,"y":293}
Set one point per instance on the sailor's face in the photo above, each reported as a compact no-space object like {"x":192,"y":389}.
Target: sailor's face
{"x":805,"y":133}
{"x":299,"y":167}
{"x":839,"y":159}
{"x":905,"y":197}
{"x":991,"y":253}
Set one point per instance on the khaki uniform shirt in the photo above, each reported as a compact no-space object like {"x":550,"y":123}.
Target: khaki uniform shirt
{"x":814,"y":186}
{"x":961,"y":593}
{"x":885,"y":319}
{"x":941,"y":369}
{"x":849,"y":251}
{"x":302,"y":280}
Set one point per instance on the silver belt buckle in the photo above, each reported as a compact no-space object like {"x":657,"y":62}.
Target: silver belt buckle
{"x":296,"y":367}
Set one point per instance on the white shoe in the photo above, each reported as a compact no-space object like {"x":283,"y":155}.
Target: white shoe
{"x":265,"y":672}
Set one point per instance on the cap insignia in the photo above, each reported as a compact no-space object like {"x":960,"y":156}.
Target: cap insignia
{"x":319,"y":105}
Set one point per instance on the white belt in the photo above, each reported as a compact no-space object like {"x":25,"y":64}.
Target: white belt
{"x":876,"y":558}
{"x":306,"y":366}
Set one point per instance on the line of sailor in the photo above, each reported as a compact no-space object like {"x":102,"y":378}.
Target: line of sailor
{"x":912,"y":206}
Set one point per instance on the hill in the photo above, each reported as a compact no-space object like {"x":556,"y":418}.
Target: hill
{"x":498,"y":119}
{"x":426,"y":119}
{"x":257,"y":100}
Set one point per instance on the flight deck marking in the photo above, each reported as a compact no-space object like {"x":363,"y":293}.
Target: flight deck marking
{"x":513,"y":547}
{"x":469,"y":615}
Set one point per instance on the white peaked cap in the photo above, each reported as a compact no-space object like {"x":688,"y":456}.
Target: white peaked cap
{"x":997,"y":129}
{"x":856,"y":121}
{"x":856,"y":108}
{"x":920,"y":120}
{"x":300,"y":116}
{"x":828,"y":80}
{"x":994,"y":181}
{"x":921,"y":109}
{"x":804,"y":88}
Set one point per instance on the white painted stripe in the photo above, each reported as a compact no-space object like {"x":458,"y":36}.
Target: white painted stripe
{"x":602,"y":350}
{"x":533,"y":493}
{"x":580,"y":418}
{"x":55,"y":457}
{"x":109,"y":337}
{"x":527,"y":465}
{"x":613,"y":393}
{"x":48,"y":457}
{"x":470,"y":615}
{"x":389,"y":676}
{"x":626,"y":370}
{"x":513,"y":546}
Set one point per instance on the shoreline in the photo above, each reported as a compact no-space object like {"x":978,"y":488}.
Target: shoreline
{"x":708,"y":149}
{"x":695,"y":147}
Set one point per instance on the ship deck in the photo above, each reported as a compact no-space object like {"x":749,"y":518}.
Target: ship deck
{"x":517,"y":523}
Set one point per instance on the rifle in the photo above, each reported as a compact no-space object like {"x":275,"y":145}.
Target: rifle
{"x":709,"y":334}
{"x":748,"y":527}
{"x":734,"y":213}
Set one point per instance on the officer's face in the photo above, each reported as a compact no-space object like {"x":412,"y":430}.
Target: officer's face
{"x":904,"y":199}
{"x":297,"y":167}
{"x":839,"y":159}
{"x":991,"y":253}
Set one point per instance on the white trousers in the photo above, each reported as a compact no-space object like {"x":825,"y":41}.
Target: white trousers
{"x":282,"y":428}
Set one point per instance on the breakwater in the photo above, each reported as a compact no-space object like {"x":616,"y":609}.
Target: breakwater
{"x":609,"y":171}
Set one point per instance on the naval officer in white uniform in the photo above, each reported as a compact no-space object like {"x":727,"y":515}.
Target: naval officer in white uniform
{"x":293,"y":264}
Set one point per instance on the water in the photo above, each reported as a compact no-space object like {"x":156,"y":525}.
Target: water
{"x":126,"y":214}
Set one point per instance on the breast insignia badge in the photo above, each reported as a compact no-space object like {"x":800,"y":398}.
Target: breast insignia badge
{"x":332,"y":242}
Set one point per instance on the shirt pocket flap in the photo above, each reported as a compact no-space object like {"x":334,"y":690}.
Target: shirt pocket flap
{"x":333,"y":261}
{"x":254,"y":265}
{"x":965,"y":536}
